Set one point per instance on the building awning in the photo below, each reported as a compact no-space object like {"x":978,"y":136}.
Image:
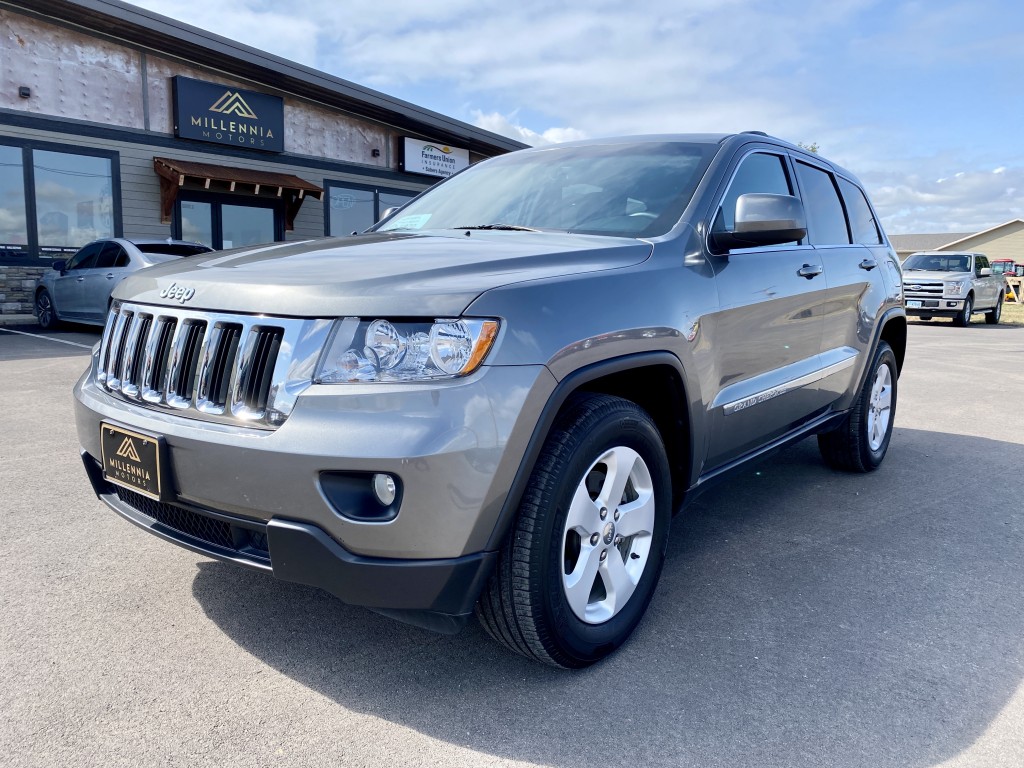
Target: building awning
{"x":221,"y":178}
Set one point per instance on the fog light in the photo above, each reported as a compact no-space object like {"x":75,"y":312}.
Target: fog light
{"x":952,"y":303}
{"x":384,"y":489}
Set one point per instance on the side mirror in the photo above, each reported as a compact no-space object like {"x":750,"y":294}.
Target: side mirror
{"x":763,"y":219}
{"x":60,"y":265}
{"x":388,"y":211}
{"x":985,"y":272}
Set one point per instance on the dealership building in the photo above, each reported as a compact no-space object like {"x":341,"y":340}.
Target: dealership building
{"x":117,"y":122}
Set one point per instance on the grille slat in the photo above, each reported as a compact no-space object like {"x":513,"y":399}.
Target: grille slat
{"x":184,"y":362}
{"x":210,"y":366}
{"x":157,"y":354}
{"x":117,"y":344}
{"x":254,"y":372}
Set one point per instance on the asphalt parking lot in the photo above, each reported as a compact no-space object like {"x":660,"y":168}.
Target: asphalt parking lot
{"x":804,"y":618}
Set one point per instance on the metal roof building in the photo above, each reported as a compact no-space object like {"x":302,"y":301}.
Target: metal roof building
{"x":115,"y":121}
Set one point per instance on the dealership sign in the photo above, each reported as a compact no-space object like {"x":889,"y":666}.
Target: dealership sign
{"x":434,"y":158}
{"x":225,"y":115}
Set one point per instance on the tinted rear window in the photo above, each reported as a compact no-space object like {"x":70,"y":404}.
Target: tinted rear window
{"x":172,"y":249}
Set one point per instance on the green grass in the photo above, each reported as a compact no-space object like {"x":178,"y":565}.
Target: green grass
{"x":1013,"y":313}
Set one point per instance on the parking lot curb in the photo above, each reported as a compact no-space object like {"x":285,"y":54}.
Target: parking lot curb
{"x":18,"y":320}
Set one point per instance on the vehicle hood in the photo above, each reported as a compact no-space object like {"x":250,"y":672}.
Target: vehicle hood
{"x":391,"y":274}
{"x":930,"y":277}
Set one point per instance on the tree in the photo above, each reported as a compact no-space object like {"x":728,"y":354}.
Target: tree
{"x":812,"y":147}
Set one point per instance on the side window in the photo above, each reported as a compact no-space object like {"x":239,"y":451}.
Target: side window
{"x":826,"y":222}
{"x":982,"y":263}
{"x":759,"y":172}
{"x":862,"y":221}
{"x":85,"y":258}
{"x":108,"y":256}
{"x":122,"y":260}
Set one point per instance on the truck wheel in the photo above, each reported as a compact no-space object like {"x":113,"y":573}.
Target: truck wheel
{"x":860,"y":442}
{"x":963,"y":318}
{"x":579,"y":566}
{"x":993,"y":315}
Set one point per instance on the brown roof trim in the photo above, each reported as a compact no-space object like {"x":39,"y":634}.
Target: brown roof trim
{"x":175,"y":173}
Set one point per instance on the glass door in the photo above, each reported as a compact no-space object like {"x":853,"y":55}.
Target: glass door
{"x":228,"y":222}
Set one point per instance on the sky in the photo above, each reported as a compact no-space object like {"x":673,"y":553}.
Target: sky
{"x":921,"y":100}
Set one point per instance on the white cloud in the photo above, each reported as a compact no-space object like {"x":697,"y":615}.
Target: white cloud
{"x":839,"y":75}
{"x":508,"y":125}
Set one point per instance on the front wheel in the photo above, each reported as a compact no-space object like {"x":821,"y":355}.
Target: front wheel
{"x":860,"y":442}
{"x":963,"y":318}
{"x":993,"y":315}
{"x":580,"y":564}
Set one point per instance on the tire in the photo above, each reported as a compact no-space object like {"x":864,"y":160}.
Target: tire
{"x":993,"y":315}
{"x":531,"y":604}
{"x":45,"y":311}
{"x":963,"y":318}
{"x":860,"y":442}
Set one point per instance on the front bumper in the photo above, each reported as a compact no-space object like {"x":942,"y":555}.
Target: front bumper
{"x":434,"y":594}
{"x":933,"y":307}
{"x":256,"y":497}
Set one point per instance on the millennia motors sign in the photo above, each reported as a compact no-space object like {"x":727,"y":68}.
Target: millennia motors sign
{"x":434,"y":158}
{"x":221,"y":115}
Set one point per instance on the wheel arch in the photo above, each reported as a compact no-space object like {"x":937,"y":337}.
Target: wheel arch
{"x":894,"y":333}
{"x":655,"y":381}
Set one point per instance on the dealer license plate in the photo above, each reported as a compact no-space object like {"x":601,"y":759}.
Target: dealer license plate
{"x":911,"y":304}
{"x":131,"y":459}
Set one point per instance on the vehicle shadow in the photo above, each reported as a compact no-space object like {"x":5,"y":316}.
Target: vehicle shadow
{"x":805,"y":618}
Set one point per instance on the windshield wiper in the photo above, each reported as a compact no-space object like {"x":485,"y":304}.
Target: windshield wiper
{"x":511,"y":227}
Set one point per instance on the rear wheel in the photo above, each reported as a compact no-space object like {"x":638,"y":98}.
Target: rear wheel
{"x":579,"y":567}
{"x":45,"y":311}
{"x":860,"y":442}
{"x":963,"y":318}
{"x":993,"y":315}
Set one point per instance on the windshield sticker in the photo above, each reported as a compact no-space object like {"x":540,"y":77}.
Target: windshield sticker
{"x":408,"y":222}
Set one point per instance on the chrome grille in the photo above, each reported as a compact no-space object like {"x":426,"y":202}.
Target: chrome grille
{"x":229,"y":368}
{"x":922,"y":290}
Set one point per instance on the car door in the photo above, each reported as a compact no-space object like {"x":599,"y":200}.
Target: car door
{"x":99,"y":280}
{"x":987,"y":287}
{"x":68,"y":296}
{"x":767,"y":333}
{"x":856,"y":290}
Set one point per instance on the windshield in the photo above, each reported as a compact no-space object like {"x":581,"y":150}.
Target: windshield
{"x":624,"y":190}
{"x":937,"y":262}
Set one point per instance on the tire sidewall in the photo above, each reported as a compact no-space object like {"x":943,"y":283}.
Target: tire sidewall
{"x":965,"y":314}
{"x":581,"y":641}
{"x":883,"y":356}
{"x":53,"y":311}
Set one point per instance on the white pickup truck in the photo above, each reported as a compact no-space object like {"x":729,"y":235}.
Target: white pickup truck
{"x":952,"y":284}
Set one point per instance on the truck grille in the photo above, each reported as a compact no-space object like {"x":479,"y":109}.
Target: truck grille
{"x":922,"y":290}
{"x":227,"y":368}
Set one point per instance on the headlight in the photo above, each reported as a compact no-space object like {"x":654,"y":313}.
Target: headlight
{"x":381,"y":350}
{"x":955,"y":289}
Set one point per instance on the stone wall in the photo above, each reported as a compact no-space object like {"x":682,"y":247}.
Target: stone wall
{"x":16,"y":288}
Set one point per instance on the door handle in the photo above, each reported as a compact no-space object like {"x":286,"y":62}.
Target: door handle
{"x":868,"y":264}
{"x":109,"y":275}
{"x":810,"y":270}
{"x":79,"y":279}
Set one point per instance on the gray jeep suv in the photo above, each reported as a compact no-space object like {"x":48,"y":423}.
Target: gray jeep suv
{"x":496,"y":399}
